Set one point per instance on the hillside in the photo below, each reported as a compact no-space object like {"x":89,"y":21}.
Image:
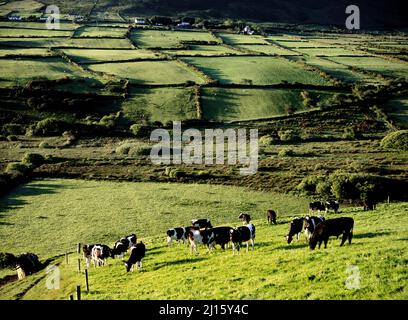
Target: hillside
{"x":374,"y":14}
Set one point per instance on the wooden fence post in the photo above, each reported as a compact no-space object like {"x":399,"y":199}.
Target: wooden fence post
{"x":71,"y":297}
{"x":79,"y":248}
{"x":79,"y":265}
{"x":86,"y":280}
{"x":78,"y":292}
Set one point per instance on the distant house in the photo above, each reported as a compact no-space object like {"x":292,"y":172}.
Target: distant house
{"x":74,"y":16}
{"x":247,"y":30}
{"x":184,"y":25}
{"x":139,"y":20}
{"x":15,"y":18}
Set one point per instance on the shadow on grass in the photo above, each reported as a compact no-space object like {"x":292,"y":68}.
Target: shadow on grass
{"x":371,"y":235}
{"x":175,"y":263}
{"x":292,"y":246}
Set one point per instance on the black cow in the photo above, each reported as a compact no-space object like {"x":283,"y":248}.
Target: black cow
{"x":271,"y":216}
{"x":369,"y":205}
{"x":178,"y":234}
{"x":201,"y":223}
{"x":310,"y":225}
{"x":333,"y":205}
{"x":332,"y":227}
{"x":242,"y":234}
{"x":317,"y":206}
{"x":244,"y":217}
{"x":122,"y":245}
{"x":100,"y":253}
{"x":137,"y":253}
{"x":209,"y":237}
{"x":26,"y":264}
{"x":295,"y":229}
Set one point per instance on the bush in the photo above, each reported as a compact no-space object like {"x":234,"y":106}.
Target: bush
{"x":7,"y":260}
{"x":110,"y":121}
{"x":13,"y":129}
{"x":32,"y":159}
{"x":12,"y":138}
{"x":139,"y":130}
{"x":174,"y":173}
{"x":16,"y":167}
{"x":286,"y":152}
{"x":308,"y":184}
{"x":288,"y":135}
{"x":397,"y":140}
{"x":133,"y":149}
{"x":349,"y":133}
{"x":48,"y":127}
{"x":44,"y":145}
{"x":265,"y":140}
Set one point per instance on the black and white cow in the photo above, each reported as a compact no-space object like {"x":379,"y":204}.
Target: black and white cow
{"x":137,"y":253}
{"x":271,"y":216}
{"x":122,"y":245}
{"x":242,"y":234}
{"x":310,"y":224}
{"x":317,"y":206}
{"x":100,"y":254}
{"x":332,"y":227}
{"x":201,"y":223}
{"x":332,"y":205}
{"x":244,"y":217}
{"x":209,"y":237}
{"x":178,"y":234}
{"x":87,"y":253}
{"x":295,"y":229}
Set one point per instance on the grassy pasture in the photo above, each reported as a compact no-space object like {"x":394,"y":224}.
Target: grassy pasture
{"x":282,"y":271}
{"x":64,"y":26}
{"x":162,"y":104}
{"x":233,"y":39}
{"x":303,"y":44}
{"x":103,"y":32}
{"x":23,"y":7}
{"x":256,"y":70}
{"x":203,"y":50}
{"x":268,"y":49}
{"x":102,"y":43}
{"x":91,"y":55}
{"x":330,"y":52}
{"x":167,"y":39}
{"x":25,"y":52}
{"x":49,"y":68}
{"x":246,"y":104}
{"x":149,"y":72}
{"x":27,"y":33}
{"x":383,"y":66}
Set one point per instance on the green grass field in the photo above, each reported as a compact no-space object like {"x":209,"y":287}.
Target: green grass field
{"x":268,"y":49}
{"x":168,"y":39}
{"x":102,"y":43}
{"x":203,"y":50}
{"x":233,"y":39}
{"x":92,"y":55}
{"x":70,"y":211}
{"x":27,"y":33}
{"x":25,"y":52}
{"x":103,"y":32}
{"x":23,"y":7}
{"x":149,"y":72}
{"x":256,"y":70}
{"x":330,"y":52}
{"x":162,"y":104}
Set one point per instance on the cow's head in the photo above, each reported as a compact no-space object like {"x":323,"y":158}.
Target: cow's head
{"x":313,"y":242}
{"x":128,"y":266}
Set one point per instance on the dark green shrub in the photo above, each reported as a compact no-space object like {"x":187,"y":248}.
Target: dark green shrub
{"x":308,"y":185}
{"x":16,"y":167}
{"x":349,"y":133}
{"x":32,"y":159}
{"x":397,"y":140}
{"x":13,"y":129}
{"x":48,"y":127}
{"x":286,"y":152}
{"x":288,"y":135}
{"x":12,"y":138}
{"x":139,"y":130}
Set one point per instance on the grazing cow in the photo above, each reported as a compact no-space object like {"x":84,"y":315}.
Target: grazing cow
{"x":100,"y":253}
{"x":122,"y":245}
{"x":369,"y":205}
{"x":244,"y":217}
{"x":316,"y":206}
{"x":310,"y":225}
{"x":242,"y":234}
{"x":332,"y":227}
{"x":271,"y":216}
{"x":178,"y":234}
{"x":137,"y":253}
{"x":209,"y":237}
{"x":201,"y":223}
{"x":333,"y":205}
{"x":87,"y":253}
{"x":295,"y":228}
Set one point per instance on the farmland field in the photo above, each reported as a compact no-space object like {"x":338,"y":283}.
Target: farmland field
{"x":27,"y":33}
{"x":241,"y":39}
{"x":149,"y":72}
{"x":103,"y":32}
{"x":283,"y":271}
{"x":92,"y":55}
{"x":170,"y":39}
{"x":268,"y":49}
{"x":163,"y":104}
{"x":257,"y":70}
{"x":203,"y":50}
{"x":100,"y":43}
{"x":24,"y":52}
{"x":246,"y":104}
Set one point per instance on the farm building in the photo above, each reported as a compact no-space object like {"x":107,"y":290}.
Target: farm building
{"x":141,"y":21}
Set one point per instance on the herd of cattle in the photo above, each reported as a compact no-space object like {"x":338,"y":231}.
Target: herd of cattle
{"x":316,"y":228}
